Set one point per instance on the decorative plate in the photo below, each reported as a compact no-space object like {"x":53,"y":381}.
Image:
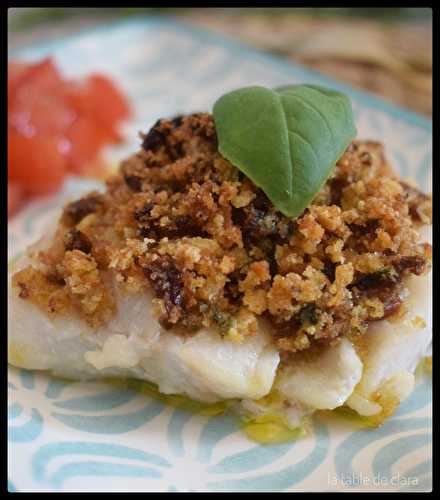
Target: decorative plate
{"x":66,"y":436}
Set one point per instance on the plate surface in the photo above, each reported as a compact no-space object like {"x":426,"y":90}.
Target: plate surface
{"x":65,"y":436}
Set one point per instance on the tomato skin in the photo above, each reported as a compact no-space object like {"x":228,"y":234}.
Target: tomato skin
{"x":98,"y":99}
{"x":42,"y":75}
{"x":109,"y":105}
{"x":36,"y":101}
{"x":85,"y":140}
{"x":16,"y":73}
{"x":36,"y":163}
{"x":15,"y":197}
{"x":39,"y":114}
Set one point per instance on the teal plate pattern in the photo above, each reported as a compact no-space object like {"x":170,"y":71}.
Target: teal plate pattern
{"x":72,"y":436}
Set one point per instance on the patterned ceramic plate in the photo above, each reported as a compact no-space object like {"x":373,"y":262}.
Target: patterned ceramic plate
{"x":66,"y":436}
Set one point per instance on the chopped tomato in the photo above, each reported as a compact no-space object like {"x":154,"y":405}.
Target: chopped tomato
{"x":85,"y":139}
{"x":15,"y":197}
{"x":33,"y":113}
{"x":43,"y":74}
{"x":37,"y":103}
{"x":16,"y":72}
{"x":99,"y":100}
{"x":108,"y":104}
{"x":57,"y":125}
{"x":36,"y":163}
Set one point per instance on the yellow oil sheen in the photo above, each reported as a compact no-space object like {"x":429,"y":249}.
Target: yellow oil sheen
{"x":15,"y":355}
{"x":267,"y":429}
{"x":270,"y":429}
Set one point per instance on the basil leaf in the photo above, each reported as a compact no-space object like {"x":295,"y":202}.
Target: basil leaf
{"x":286,"y":140}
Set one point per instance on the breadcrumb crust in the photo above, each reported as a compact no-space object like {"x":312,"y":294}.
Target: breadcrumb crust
{"x":180,"y":220}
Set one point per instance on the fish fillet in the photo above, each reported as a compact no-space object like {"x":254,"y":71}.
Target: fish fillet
{"x":208,"y":368}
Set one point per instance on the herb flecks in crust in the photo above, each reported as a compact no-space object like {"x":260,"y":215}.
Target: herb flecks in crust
{"x":180,"y":223}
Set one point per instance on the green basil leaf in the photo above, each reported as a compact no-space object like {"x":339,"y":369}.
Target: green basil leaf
{"x":287,"y":140}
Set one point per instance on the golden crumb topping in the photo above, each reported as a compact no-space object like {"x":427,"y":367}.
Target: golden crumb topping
{"x":181,"y":221}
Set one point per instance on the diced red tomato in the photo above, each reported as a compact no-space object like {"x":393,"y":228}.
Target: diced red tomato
{"x":108,"y":104}
{"x":35,"y":163}
{"x":99,"y":100}
{"x":57,"y":125}
{"x":43,"y":75}
{"x":16,"y":72}
{"x":85,"y":139}
{"x":15,"y":197}
{"x":34,"y":113}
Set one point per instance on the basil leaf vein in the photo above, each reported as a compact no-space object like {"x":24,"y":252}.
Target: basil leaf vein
{"x":286,"y":140}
